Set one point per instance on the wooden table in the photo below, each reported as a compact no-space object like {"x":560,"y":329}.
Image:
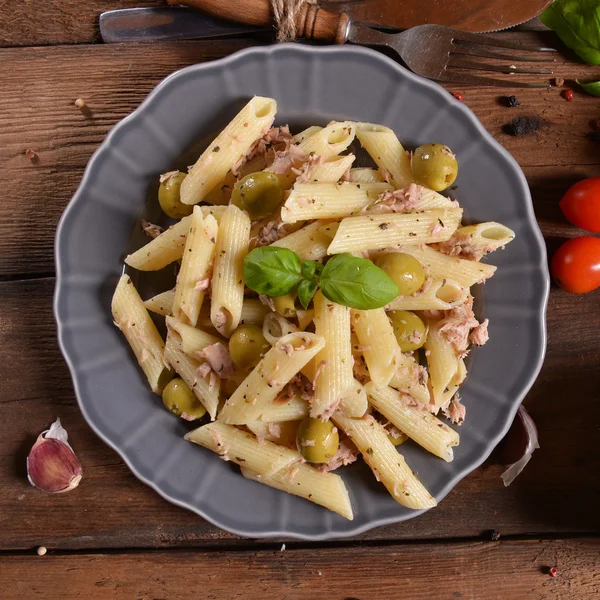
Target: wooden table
{"x":115,"y":538}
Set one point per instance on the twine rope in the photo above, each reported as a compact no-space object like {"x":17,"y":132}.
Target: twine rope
{"x":285,"y":13}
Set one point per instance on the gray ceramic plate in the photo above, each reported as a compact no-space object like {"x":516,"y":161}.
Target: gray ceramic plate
{"x":312,"y":86}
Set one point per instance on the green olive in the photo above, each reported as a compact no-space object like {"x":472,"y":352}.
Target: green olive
{"x":247,"y":344}
{"x":258,"y":193}
{"x":168,"y":197}
{"x":286,"y":305}
{"x":180,"y":400}
{"x":409,"y":329}
{"x":325,"y":437}
{"x":434,"y":166}
{"x":397,"y":437}
{"x":404,"y":269}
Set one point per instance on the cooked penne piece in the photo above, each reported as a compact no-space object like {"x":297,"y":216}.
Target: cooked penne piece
{"x":411,"y":378}
{"x":227,"y":296}
{"x":161,"y":304}
{"x":386,"y":150}
{"x":328,"y":171}
{"x":435,"y":295}
{"x":187,"y":368}
{"x":378,"y":343}
{"x":243,"y":448}
{"x":192,"y":339}
{"x":305,"y":318}
{"x":442,"y":361}
{"x":329,"y":200}
{"x":269,"y":377}
{"x":306,"y":133}
{"x":418,"y":424}
{"x":194,"y":276}
{"x":228,"y":147}
{"x":334,"y":376}
{"x":441,"y":266}
{"x":325,"y":489}
{"x":454,"y":385}
{"x":365,"y":175}
{"x":375,"y":232}
{"x":309,"y":243}
{"x":169,"y":245}
{"x":475,"y":241}
{"x":282,"y":432}
{"x":132,"y":318}
{"x":294,"y":409}
{"x":331,"y":140}
{"x":387,"y":464}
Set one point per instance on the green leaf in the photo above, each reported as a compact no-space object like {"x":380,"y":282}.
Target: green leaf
{"x":357,"y":282}
{"x":577,"y":23}
{"x":306,"y":291}
{"x":591,"y":87}
{"x":272,"y":271}
{"x":311,"y":269}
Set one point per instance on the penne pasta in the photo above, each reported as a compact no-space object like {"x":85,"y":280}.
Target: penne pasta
{"x":375,"y":232}
{"x":378,"y":344}
{"x":330,"y":170}
{"x":411,"y":378}
{"x":268,"y":378}
{"x":161,"y":304}
{"x":227,"y":296}
{"x":386,"y":150}
{"x":194,"y":276}
{"x":387,"y":464}
{"x":418,"y":424}
{"x":329,"y":200}
{"x":192,"y":340}
{"x":434,"y":295}
{"x":169,"y":245}
{"x":294,"y":409}
{"x":329,"y":141}
{"x":309,"y":242}
{"x":365,"y":175}
{"x":228,"y":148}
{"x":132,"y":318}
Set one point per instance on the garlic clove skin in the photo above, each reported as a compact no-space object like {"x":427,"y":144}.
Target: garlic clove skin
{"x":52,"y":465}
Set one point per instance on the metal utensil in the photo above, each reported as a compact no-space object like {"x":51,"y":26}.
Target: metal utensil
{"x":432,"y":51}
{"x":173,"y":23}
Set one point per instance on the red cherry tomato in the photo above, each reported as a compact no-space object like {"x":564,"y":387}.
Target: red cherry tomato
{"x":581,"y":204}
{"x":576,"y":265}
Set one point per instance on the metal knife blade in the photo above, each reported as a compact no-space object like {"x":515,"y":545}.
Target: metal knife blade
{"x":174,"y":23}
{"x":479,"y":16}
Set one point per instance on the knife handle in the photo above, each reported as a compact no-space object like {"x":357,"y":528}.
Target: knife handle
{"x":312,"y":22}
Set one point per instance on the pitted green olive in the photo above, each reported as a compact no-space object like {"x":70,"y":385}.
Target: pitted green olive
{"x":169,"y":199}
{"x":247,"y":345}
{"x":434,"y":166}
{"x":409,"y":329}
{"x":404,"y":269}
{"x":258,"y":193}
{"x":180,"y":400}
{"x":318,"y":440}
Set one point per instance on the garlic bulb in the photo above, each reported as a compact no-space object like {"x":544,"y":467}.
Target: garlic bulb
{"x":52,"y":465}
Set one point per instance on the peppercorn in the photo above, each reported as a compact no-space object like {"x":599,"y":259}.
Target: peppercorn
{"x":512,"y":101}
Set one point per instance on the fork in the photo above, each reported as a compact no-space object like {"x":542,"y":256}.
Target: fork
{"x":432,"y":51}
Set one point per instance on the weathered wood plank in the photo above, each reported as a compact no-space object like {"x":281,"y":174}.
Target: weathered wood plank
{"x":473,"y":571}
{"x":556,"y":494}
{"x":37,"y":111}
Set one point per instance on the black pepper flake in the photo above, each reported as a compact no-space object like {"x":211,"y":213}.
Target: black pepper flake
{"x":412,"y":234}
{"x":524,"y":125}
{"x":216,"y":149}
{"x":511,"y":101}
{"x":212,"y":239}
{"x":239,"y":459}
{"x":369,"y":451}
{"x":383,"y":226}
{"x":441,"y":222}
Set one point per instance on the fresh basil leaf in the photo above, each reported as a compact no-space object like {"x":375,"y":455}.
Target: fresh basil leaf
{"x":591,"y":87}
{"x":311,"y":269}
{"x":357,"y":282}
{"x":306,"y":291}
{"x":272,"y":271}
{"x":577,"y":23}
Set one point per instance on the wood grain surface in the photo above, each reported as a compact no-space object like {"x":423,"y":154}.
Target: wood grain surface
{"x":115,"y":538}
{"x":496,"y":570}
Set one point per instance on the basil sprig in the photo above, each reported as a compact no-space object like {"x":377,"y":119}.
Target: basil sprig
{"x":345,"y":279}
{"x":577,"y":23}
{"x":591,"y":87}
